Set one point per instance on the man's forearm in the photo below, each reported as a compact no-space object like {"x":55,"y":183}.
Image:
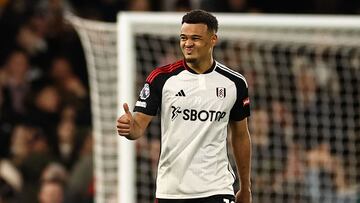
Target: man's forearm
{"x":242,"y":153}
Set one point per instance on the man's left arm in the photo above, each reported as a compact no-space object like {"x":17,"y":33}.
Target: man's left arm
{"x":241,"y":144}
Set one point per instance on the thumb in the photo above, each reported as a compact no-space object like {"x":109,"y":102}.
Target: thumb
{"x":126,"y":109}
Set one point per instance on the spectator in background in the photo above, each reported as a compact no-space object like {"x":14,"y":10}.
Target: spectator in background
{"x":325,"y":176}
{"x":66,"y":82}
{"x":289,"y":184}
{"x":307,"y":112}
{"x":30,"y":154}
{"x":283,"y":121}
{"x":51,"y":191}
{"x":45,"y":112}
{"x":53,"y":12}
{"x":20,"y":143}
{"x":74,"y":94}
{"x":31,"y":36}
{"x":15,"y":86}
{"x":259,"y":127}
{"x":66,"y":148}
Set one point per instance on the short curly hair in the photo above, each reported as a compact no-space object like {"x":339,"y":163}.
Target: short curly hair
{"x":202,"y":17}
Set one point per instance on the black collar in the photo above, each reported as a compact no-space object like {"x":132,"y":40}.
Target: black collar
{"x":192,"y":71}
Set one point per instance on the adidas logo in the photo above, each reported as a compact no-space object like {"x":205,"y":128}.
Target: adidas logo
{"x":181,"y":93}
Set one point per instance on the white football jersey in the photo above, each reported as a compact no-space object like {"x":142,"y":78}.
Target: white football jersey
{"x":195,"y":111}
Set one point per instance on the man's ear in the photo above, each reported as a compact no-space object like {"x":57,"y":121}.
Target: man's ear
{"x":214,"y":39}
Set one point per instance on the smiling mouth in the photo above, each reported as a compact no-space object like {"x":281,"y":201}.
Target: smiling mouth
{"x":188,"y":50}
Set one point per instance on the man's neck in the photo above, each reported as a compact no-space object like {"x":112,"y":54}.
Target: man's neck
{"x":201,"y":67}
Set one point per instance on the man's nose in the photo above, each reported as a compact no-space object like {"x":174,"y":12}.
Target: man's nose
{"x":189,"y":43}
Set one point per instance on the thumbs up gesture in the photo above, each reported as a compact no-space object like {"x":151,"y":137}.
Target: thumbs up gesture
{"x":125,"y":122}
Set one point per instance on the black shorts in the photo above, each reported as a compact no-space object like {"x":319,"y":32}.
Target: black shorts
{"x":211,"y":199}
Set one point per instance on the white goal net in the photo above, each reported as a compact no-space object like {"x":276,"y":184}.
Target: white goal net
{"x":99,"y":44}
{"x":304,"y":82}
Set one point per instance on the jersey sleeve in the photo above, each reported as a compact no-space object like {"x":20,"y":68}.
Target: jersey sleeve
{"x":149,"y":99}
{"x":241,"y":108}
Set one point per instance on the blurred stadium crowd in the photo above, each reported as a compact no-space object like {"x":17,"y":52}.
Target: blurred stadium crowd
{"x":45,"y":116}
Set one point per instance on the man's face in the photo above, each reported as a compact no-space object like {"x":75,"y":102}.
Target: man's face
{"x":51,"y":193}
{"x":196,"y":42}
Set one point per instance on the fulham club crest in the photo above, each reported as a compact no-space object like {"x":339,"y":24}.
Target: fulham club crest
{"x":221,"y":92}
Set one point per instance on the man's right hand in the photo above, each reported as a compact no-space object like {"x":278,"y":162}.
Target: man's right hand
{"x":125,"y":122}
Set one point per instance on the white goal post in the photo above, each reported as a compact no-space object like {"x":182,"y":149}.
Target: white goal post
{"x":276,"y":53}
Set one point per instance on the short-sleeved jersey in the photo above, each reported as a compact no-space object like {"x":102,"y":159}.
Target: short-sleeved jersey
{"x":195,"y":111}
